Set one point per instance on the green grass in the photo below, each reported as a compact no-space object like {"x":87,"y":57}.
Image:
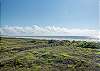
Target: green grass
{"x":98,"y":52}
{"x":66,"y":56}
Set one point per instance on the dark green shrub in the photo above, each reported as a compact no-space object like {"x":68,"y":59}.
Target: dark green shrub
{"x":51,"y":41}
{"x":85,"y":44}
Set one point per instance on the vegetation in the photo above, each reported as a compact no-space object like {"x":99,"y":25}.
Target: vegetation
{"x":17,"y":54}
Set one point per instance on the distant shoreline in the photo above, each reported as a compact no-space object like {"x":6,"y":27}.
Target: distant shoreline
{"x":70,"y":38}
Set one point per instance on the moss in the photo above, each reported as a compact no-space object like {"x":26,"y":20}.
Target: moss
{"x":98,"y":64}
{"x":97,"y":52}
{"x":65,"y":56}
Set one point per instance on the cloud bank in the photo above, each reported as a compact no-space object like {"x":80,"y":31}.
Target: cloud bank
{"x":46,"y":31}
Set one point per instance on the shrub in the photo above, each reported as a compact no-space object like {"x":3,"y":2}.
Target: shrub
{"x":85,"y":44}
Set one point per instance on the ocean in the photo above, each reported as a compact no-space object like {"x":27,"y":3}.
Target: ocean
{"x":77,"y":38}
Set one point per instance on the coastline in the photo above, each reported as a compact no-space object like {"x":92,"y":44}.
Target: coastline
{"x":60,"y":38}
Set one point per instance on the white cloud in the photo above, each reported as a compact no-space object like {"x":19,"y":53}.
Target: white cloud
{"x":99,"y":35}
{"x":46,"y":30}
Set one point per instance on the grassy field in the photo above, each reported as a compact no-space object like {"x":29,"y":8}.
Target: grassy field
{"x":17,"y":54}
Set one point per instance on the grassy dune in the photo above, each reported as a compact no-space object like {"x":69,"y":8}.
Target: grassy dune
{"x":18,"y":54}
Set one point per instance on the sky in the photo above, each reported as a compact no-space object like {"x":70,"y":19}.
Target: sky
{"x":49,"y":17}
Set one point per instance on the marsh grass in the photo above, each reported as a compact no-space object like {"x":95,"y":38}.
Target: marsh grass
{"x":66,"y":56}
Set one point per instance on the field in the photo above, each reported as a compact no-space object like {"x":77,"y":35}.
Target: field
{"x":19,"y":54}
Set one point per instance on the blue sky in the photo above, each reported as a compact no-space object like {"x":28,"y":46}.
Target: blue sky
{"x":81,"y":14}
